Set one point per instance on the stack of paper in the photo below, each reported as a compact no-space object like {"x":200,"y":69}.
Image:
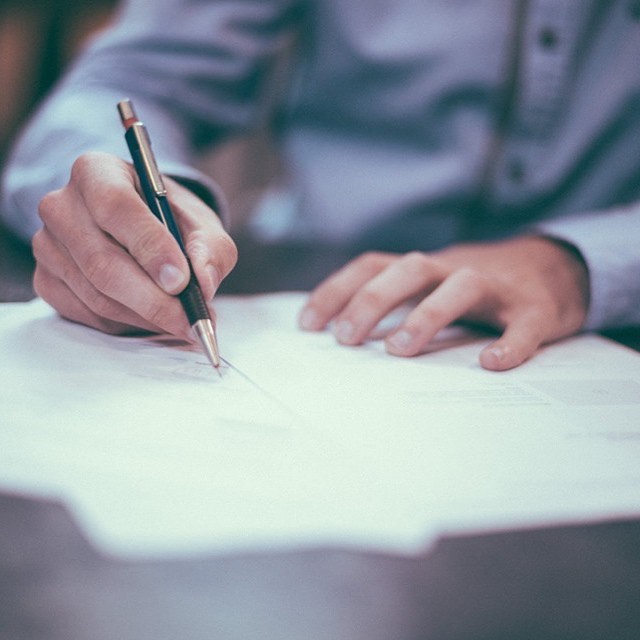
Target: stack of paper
{"x":304,"y":442}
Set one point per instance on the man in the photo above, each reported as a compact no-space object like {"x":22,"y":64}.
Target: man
{"x":491,"y":145}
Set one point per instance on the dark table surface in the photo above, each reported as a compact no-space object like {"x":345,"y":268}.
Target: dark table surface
{"x":566,"y":582}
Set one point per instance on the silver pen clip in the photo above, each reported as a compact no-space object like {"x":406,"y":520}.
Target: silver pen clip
{"x":131,"y":122}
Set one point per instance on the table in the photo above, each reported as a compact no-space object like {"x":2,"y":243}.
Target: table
{"x":563,"y":582}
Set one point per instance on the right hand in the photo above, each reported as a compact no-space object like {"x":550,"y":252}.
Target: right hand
{"x":104,"y":260}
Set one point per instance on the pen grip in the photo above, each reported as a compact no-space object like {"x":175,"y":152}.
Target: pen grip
{"x":191,"y":296}
{"x":193,"y":301}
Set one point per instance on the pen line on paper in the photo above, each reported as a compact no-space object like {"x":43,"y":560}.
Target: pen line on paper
{"x":262,"y":390}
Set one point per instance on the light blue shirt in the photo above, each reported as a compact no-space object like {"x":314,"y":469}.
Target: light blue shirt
{"x":403,"y":123}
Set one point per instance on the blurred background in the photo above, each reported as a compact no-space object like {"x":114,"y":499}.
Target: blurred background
{"x":38,"y":39}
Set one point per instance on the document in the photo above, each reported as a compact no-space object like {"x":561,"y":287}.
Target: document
{"x":303,"y":442}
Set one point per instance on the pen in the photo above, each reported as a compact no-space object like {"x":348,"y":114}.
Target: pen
{"x":155,"y":195}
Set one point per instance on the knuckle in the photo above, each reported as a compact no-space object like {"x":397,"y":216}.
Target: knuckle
{"x":82,"y":166}
{"x":67,"y":272}
{"x":50,"y":207}
{"x":99,"y":304}
{"x":472,"y":278}
{"x":93,"y":178}
{"x":41,"y":284}
{"x":150,"y":243}
{"x":370,"y":298}
{"x":85,"y":164}
{"x":119,"y":202}
{"x":372,"y":259}
{"x":431,"y":315}
{"x":158,"y":314}
{"x":417,"y":263}
{"x":101,"y":269}
{"x":38,"y":245}
{"x":366,"y":257}
{"x":44,"y":249}
{"x":196,"y":244}
{"x":369,"y":256}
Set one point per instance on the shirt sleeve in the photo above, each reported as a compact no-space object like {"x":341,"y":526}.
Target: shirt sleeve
{"x":195,"y":72}
{"x":609,"y":242}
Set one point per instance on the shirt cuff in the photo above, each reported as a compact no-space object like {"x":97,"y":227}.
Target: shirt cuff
{"x":607,"y":241}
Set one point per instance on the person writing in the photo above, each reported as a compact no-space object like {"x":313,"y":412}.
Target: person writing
{"x":482,"y":160}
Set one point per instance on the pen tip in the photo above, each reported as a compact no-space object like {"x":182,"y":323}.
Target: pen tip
{"x":207,"y":336}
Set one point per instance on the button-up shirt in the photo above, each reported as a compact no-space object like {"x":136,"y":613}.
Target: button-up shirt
{"x":402,"y":124}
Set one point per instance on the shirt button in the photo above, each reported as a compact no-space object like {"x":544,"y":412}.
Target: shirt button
{"x":515,"y":170}
{"x":547,"y":38}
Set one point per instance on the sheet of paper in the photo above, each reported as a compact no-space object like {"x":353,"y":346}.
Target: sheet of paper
{"x":303,"y":442}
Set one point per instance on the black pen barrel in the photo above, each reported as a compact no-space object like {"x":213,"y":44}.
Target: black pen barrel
{"x":191,"y":296}
{"x":193,"y":301}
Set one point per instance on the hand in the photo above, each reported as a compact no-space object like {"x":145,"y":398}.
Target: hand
{"x":533,"y":288}
{"x":104,"y":260}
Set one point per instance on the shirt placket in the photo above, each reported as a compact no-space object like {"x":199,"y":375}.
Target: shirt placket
{"x":548,"y":39}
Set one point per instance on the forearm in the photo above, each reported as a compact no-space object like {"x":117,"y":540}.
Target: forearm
{"x":71,"y":123}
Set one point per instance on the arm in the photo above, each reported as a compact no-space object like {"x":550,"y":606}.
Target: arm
{"x":194,"y":70}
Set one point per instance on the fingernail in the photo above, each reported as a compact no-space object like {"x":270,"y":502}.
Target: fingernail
{"x":401,"y":340}
{"x":171,"y":278}
{"x":493,"y":357}
{"x":308,"y":319}
{"x":498,"y":353}
{"x":344,"y":331}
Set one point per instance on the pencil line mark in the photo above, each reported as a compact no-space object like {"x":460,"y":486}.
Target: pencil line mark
{"x":260,"y":388}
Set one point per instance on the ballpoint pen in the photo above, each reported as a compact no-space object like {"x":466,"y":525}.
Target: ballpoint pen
{"x":155,"y":195}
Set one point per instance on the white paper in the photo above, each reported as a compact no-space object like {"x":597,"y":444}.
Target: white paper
{"x":305,"y":442}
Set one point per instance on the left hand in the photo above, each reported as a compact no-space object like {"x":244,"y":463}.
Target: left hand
{"x":534,"y":289}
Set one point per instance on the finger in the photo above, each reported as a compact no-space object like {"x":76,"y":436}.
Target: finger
{"x":54,"y":265}
{"x":520,"y":340}
{"x":108,"y":267}
{"x":462,"y":291}
{"x":106,"y":186}
{"x":56,"y":293}
{"x":409,"y":275}
{"x":212,"y":252}
{"x":332,"y":295}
